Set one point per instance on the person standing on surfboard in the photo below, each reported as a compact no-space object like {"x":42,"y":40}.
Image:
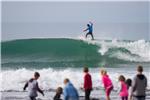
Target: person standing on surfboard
{"x":90,"y":29}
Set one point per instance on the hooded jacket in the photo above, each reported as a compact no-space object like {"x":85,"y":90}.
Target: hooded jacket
{"x":70,"y":92}
{"x":139,"y":85}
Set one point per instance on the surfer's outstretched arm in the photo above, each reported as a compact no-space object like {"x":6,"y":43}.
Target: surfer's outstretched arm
{"x":91,"y":23}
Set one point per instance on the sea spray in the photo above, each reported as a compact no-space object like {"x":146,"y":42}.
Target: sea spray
{"x":50,"y":79}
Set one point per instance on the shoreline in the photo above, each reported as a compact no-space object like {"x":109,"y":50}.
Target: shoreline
{"x":12,"y":87}
{"x":95,"y":95}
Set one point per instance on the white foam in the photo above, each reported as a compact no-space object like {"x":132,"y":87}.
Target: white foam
{"x":51,"y":79}
{"x":87,"y":40}
{"x":140,"y":48}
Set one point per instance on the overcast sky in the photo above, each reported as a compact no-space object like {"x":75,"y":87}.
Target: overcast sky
{"x":53,"y":13}
{"x":75,"y":11}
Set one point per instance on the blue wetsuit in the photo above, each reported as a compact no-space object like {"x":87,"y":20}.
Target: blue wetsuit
{"x":90,"y":29}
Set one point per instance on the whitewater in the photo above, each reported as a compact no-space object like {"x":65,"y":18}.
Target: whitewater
{"x":57,"y":59}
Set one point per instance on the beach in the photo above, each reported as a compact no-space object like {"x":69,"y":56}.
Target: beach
{"x":46,"y":44}
{"x":45,"y":56}
{"x":51,"y":79}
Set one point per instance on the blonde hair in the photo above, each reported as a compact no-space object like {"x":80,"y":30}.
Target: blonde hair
{"x":103,"y":71}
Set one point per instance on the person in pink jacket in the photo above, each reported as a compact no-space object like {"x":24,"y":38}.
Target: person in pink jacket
{"x":123,"y":90}
{"x":107,"y":83}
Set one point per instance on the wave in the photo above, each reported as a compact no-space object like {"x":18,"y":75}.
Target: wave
{"x":52,"y":78}
{"x":133,"y":51}
{"x":72,"y":53}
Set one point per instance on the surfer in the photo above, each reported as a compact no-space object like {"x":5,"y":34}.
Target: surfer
{"x":90,"y":29}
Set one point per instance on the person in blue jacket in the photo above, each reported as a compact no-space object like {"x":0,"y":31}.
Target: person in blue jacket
{"x":70,"y":92}
{"x":90,"y":30}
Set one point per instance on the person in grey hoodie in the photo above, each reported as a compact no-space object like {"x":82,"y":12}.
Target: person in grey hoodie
{"x":139,"y":85}
{"x":33,"y":87}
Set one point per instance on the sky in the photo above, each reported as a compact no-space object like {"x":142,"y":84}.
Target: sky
{"x":112,"y":19}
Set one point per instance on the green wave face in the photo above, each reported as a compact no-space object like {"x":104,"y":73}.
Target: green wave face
{"x":49,"y":52}
{"x":43,"y":53}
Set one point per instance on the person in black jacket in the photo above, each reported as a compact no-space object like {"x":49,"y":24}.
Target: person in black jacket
{"x":59,"y":91}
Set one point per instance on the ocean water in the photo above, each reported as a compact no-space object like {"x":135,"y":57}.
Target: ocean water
{"x":61,"y":58}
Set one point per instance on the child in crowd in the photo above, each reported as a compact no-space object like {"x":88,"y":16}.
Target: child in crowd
{"x":70,"y":92}
{"x":59,"y":91}
{"x":123,"y":89}
{"x":87,"y":83}
{"x":139,"y":85}
{"x":33,"y":87}
{"x":129,"y":84}
{"x":107,"y":83}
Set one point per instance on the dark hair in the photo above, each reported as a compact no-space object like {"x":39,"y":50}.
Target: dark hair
{"x":67,"y":80}
{"x":59,"y":90}
{"x":88,"y":24}
{"x":140,"y":68}
{"x":36,"y":74}
{"x":121,"y":78}
{"x":86,"y":69}
{"x":129,"y":82}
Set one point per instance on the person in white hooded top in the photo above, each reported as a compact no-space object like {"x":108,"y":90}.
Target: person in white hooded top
{"x":33,"y":87}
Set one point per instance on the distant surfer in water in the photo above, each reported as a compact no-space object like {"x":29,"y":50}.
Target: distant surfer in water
{"x":90,"y":29}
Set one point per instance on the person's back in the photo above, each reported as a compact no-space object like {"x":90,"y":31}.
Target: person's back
{"x":32,"y":88}
{"x":106,"y":81}
{"x":139,"y":88}
{"x":139,"y":85}
{"x":90,"y":28}
{"x":70,"y":92}
{"x":87,"y":81}
{"x":124,"y":90}
{"x":129,"y":84}
{"x":57,"y":96}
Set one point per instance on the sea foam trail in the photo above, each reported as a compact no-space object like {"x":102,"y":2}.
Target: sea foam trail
{"x":14,"y":80}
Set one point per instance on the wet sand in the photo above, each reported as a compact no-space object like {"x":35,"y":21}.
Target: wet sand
{"x":95,"y":95}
